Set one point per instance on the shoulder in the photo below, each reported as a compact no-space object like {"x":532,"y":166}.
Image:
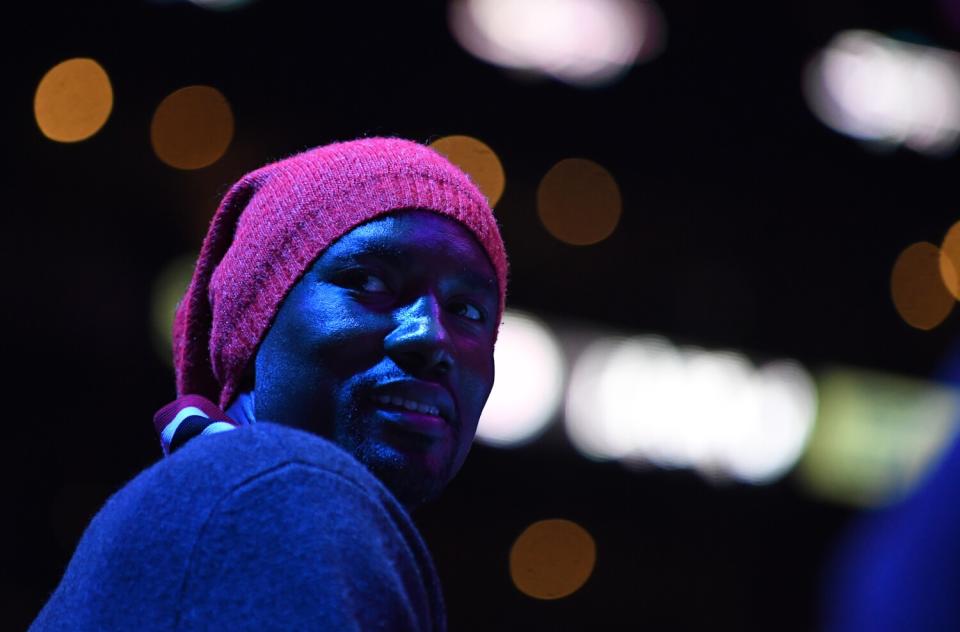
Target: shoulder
{"x":307,"y":535}
{"x":274,"y":472}
{"x":262,"y":501}
{"x":190,"y":482}
{"x":215,"y":473}
{"x":232,"y":457}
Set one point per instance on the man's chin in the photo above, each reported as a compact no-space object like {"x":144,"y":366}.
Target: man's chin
{"x":414,"y":479}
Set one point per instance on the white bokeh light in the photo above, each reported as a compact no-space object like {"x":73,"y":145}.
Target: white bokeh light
{"x":875,"y":88}
{"x":529,"y":382}
{"x":581,"y":42}
{"x":718,"y":398}
{"x":586,"y":424}
{"x":644,"y":399}
{"x":782,"y":427}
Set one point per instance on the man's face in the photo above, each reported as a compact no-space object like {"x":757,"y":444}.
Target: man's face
{"x":385,"y":346}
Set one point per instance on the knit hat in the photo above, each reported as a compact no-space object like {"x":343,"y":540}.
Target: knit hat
{"x":275,"y":221}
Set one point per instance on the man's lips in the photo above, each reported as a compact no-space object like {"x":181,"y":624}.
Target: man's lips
{"x":405,"y":404}
{"x":425,"y":406}
{"x":425,"y":424}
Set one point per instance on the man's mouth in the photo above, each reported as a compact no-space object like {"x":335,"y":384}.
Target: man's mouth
{"x":411,"y":416}
{"x":401,"y":403}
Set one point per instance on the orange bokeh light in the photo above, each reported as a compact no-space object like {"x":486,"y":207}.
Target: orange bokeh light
{"x":192,"y":127}
{"x":917,"y":287}
{"x":552,"y":559}
{"x":579,"y":202}
{"x":73,"y":100}
{"x":478,"y":160}
{"x":950,"y":260}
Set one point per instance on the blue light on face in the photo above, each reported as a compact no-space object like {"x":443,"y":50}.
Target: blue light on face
{"x":385,"y":346}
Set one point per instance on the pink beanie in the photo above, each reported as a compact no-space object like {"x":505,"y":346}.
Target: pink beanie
{"x":273,"y":224}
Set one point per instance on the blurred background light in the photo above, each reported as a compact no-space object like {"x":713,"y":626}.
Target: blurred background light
{"x":714,"y":407}
{"x":950,"y":260}
{"x":592,"y":430}
{"x":552,"y":559}
{"x":528,"y":387}
{"x":580,"y":42}
{"x":876,"y":435}
{"x":221,"y":5}
{"x":917,"y":287}
{"x":192,"y":127}
{"x":73,"y":100}
{"x":478,"y":160}
{"x":168,"y":288}
{"x":579,"y":202}
{"x":763,"y":447}
{"x":876,"y":88}
{"x":644,"y":399}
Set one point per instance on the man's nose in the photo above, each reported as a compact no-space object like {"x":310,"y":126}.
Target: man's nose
{"x":419,"y":342}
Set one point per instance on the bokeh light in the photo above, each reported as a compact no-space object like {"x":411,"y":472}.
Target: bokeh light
{"x":761,"y":448}
{"x":950,"y":260}
{"x":593,"y":431}
{"x":73,"y":100}
{"x":529,"y":382}
{"x":917,"y":287}
{"x":643,"y":399}
{"x":552,"y":559}
{"x":579,"y":202}
{"x":192,"y":127}
{"x":168,"y":288}
{"x":876,"y":88}
{"x":478,"y":160}
{"x":581,"y":42}
{"x":876,"y":435}
{"x":221,"y":5}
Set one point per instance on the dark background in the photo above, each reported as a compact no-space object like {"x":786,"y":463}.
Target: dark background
{"x":747,"y":224}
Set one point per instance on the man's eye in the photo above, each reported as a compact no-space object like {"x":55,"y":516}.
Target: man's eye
{"x":468,"y":310}
{"x":366,"y":282}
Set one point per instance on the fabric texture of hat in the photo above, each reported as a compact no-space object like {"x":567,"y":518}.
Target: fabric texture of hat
{"x":273,"y":224}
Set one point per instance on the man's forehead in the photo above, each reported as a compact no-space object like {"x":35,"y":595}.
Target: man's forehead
{"x":410,"y":238}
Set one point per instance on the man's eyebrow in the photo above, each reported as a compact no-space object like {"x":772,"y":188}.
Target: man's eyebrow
{"x":370,"y":250}
{"x":477,"y":281}
{"x":376,"y":250}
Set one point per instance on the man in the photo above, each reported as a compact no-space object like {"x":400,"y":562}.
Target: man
{"x":344,"y":310}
